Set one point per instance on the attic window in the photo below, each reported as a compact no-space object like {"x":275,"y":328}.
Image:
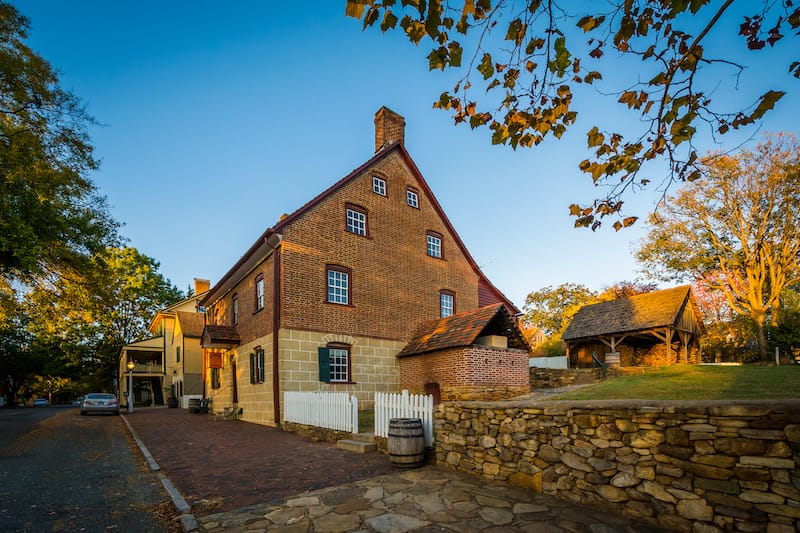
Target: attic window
{"x":434,"y":248}
{"x":379,"y":185}
{"x":355,"y":220}
{"x":412,"y":198}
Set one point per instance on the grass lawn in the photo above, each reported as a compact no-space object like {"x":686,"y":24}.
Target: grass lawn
{"x":690,"y":382}
{"x":366,"y":421}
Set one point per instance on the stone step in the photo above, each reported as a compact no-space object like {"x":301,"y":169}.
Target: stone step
{"x":357,"y":446}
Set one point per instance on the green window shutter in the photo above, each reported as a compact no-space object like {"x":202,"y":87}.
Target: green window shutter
{"x":261,"y":368}
{"x":324,"y":364}
{"x":252,"y":368}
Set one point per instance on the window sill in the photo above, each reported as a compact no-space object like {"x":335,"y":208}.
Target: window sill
{"x":338,"y":304}
{"x":341,"y":382}
{"x":258,"y":310}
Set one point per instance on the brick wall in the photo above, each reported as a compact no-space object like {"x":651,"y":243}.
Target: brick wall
{"x":395,"y":284}
{"x":474,"y":372}
{"x":688,"y":466}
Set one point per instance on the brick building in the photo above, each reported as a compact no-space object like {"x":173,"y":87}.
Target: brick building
{"x":327,"y":297}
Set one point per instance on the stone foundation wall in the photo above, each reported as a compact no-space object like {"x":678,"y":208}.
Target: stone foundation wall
{"x":551,"y":378}
{"x":486,"y":393}
{"x":691,"y":466}
{"x":315,"y":434}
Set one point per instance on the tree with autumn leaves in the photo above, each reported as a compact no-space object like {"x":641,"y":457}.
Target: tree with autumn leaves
{"x":737,"y":230}
{"x":522,"y":67}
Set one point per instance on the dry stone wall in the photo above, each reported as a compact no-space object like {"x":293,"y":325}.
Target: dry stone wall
{"x":700,"y":467}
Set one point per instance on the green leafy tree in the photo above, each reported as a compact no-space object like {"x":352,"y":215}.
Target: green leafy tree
{"x":551,"y":308}
{"x":20,"y":362}
{"x":741,"y":223}
{"x":522,"y":64}
{"x":87,"y":319}
{"x":51,"y":217}
{"x":786,"y":332}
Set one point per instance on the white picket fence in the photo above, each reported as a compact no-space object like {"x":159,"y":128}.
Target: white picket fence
{"x":557,"y":361}
{"x":332,"y":410}
{"x":403,"y":405}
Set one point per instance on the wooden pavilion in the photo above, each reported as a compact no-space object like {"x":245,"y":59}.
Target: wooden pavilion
{"x":651,"y":329}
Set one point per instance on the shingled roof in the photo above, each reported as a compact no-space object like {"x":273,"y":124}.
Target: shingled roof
{"x":636,"y":313}
{"x":192,"y":324}
{"x":217,"y":336}
{"x":462,"y":329}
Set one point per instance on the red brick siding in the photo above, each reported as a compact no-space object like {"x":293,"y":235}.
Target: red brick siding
{"x":395,"y":285}
{"x":474,"y":366}
{"x":252,"y":324}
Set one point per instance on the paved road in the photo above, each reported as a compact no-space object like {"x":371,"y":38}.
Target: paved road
{"x":60,"y":471}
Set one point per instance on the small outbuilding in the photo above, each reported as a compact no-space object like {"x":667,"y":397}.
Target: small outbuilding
{"x":476,"y":355}
{"x":652,"y":329}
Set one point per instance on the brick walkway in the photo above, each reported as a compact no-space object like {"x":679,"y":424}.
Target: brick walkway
{"x":220,"y":466}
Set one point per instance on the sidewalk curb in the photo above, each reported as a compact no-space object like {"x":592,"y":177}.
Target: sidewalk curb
{"x":186,"y":518}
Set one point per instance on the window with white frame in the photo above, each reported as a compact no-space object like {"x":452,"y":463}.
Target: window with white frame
{"x":235,"y":309}
{"x":447,"y":303}
{"x":338,"y":364}
{"x":434,"y":244}
{"x":379,"y":185}
{"x":334,"y":363}
{"x":356,"y":220}
{"x":412,"y":198}
{"x":338,"y":281}
{"x":260,"y":292}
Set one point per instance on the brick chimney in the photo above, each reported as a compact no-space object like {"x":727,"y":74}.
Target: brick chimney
{"x":389,"y":127}
{"x":201,"y":286}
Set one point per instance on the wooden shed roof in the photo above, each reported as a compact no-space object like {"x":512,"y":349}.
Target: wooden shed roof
{"x":636,"y":313}
{"x":218,"y":336}
{"x":463,"y":329}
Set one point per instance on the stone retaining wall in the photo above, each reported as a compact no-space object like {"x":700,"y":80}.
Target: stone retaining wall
{"x":701,"y":466}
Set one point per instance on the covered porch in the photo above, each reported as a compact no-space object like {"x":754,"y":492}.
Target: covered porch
{"x":144,"y":379}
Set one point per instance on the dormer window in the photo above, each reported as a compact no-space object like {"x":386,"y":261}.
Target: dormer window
{"x":379,"y":185}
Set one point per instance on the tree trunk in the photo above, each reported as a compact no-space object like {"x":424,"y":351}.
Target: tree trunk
{"x":762,"y":341}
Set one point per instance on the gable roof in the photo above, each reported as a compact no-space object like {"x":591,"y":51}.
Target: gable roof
{"x":172,"y":309}
{"x":462,"y":329}
{"x":640,"y":312}
{"x":192,"y":324}
{"x":269,"y":240}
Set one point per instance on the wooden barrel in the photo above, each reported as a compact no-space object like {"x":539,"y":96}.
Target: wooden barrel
{"x":406,"y":442}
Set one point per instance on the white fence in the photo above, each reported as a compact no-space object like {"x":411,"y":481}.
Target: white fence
{"x":559,"y":361}
{"x":404,"y":405}
{"x":332,"y":410}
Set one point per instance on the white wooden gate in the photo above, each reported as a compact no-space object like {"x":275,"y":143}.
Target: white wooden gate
{"x":403,"y":405}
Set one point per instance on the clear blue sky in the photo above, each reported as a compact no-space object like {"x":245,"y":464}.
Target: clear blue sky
{"x":220,"y":116}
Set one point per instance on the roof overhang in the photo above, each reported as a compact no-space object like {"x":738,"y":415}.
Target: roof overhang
{"x":220,"y":337}
{"x":258,"y":252}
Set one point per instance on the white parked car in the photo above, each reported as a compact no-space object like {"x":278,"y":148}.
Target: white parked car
{"x":99,"y":402}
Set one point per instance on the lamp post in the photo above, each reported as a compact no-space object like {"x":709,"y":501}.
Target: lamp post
{"x":130,"y":365}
